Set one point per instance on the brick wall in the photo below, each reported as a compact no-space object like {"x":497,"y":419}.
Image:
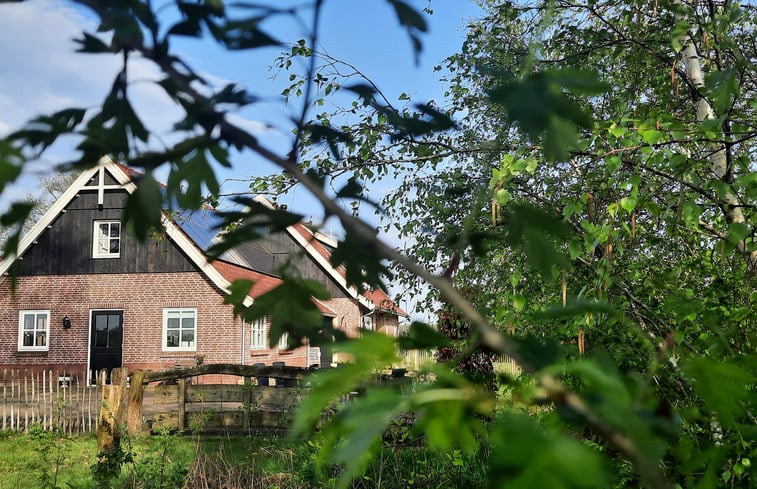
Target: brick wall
{"x":142,"y":298}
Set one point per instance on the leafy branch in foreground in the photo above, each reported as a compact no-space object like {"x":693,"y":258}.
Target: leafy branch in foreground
{"x":543,"y":182}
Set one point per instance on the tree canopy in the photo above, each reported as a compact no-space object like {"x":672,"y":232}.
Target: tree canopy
{"x":583,"y":202}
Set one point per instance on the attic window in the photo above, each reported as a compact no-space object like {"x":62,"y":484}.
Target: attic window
{"x":106,"y":242}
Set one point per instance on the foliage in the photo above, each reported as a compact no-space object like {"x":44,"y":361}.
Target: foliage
{"x":593,"y":180}
{"x":257,"y":461}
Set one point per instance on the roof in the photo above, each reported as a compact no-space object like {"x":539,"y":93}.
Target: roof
{"x":262,"y":283}
{"x":195,"y":231}
{"x":124,"y":176}
{"x":383,"y":302}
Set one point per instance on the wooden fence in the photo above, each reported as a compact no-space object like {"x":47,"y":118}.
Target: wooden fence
{"x":258,"y":397}
{"x":53,"y":399}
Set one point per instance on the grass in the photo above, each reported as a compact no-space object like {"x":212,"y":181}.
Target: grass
{"x":23,"y":465}
{"x":168,"y":461}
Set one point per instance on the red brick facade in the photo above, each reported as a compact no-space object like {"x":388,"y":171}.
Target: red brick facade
{"x":142,"y":298}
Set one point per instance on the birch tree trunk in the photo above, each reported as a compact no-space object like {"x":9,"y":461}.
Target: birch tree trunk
{"x":718,"y":157}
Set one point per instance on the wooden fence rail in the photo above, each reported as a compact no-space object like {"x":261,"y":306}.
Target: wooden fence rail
{"x":52,"y":399}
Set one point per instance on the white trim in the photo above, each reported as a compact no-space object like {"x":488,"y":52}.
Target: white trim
{"x":100,"y":186}
{"x":327,"y":240}
{"x":96,"y":253}
{"x":320,"y":259}
{"x":49,"y":216}
{"x":35,"y":312}
{"x":181,"y":311}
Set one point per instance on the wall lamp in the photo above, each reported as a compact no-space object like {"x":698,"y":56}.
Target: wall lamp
{"x":66,"y":322}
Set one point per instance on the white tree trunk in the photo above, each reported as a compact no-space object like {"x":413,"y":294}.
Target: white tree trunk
{"x":717,"y":157}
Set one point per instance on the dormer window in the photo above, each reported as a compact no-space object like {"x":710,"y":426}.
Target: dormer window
{"x":106,"y":241}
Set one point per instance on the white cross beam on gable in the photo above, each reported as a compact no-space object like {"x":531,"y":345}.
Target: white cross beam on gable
{"x":100,"y":187}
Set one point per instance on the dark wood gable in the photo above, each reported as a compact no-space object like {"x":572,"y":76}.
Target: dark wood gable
{"x":274,"y":249}
{"x":66,"y":247}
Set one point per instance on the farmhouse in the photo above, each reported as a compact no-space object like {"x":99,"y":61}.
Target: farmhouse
{"x":88,"y":296}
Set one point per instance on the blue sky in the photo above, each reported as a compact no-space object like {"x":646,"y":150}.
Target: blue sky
{"x":41,"y":73}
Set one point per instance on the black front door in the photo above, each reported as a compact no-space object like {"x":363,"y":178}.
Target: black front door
{"x":106,"y":339}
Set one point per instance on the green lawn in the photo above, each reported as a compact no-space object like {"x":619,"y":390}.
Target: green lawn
{"x":42,"y":460}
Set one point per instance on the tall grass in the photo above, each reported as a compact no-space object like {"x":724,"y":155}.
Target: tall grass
{"x":177,"y":462}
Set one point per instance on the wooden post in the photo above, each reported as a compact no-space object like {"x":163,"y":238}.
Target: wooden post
{"x":5,"y":382}
{"x":50,"y":398}
{"x":89,"y":404}
{"x":246,"y":403}
{"x":112,"y":411}
{"x":13,"y":396}
{"x":182,"y":400}
{"x":26,"y":400}
{"x":134,"y":408}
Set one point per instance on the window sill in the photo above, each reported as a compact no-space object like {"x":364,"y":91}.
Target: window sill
{"x":178,"y":354}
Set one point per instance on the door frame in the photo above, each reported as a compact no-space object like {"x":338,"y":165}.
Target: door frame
{"x":89,"y":337}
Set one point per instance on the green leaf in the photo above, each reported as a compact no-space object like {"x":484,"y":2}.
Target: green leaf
{"x":677,"y":33}
{"x":503,"y":196}
{"x":242,"y":34}
{"x":370,"y":352}
{"x":539,"y":104}
{"x":723,"y":88}
{"x":143,"y":209}
{"x":92,"y":44}
{"x":628,"y":203}
{"x":294,"y":312}
{"x":519,"y":302}
{"x":538,"y":352}
{"x":515,"y":278}
{"x":616,"y":130}
{"x":525,"y":456}
{"x":421,"y":336}
{"x":408,"y":16}
{"x":360,"y":263}
{"x":413,"y":22}
{"x":651,"y":136}
{"x":726,"y":387}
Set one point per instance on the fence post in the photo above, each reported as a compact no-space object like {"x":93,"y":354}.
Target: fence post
{"x":112,"y":411}
{"x":134,"y":407}
{"x":182,"y":400}
{"x":5,"y":383}
{"x":247,"y":404}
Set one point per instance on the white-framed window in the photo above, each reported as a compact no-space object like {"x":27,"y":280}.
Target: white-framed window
{"x":33,"y":330}
{"x":258,"y":334}
{"x":283,"y":341}
{"x":179,"y":329}
{"x":106,"y":239}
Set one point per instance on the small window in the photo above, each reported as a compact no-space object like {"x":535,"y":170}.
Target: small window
{"x":283,"y":341}
{"x":179,"y":329}
{"x":258,"y":334}
{"x":106,"y":242}
{"x":33,"y":330}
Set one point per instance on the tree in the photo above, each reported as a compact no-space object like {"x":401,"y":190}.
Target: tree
{"x":52,"y":186}
{"x":656,"y":193}
{"x":572,"y":200}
